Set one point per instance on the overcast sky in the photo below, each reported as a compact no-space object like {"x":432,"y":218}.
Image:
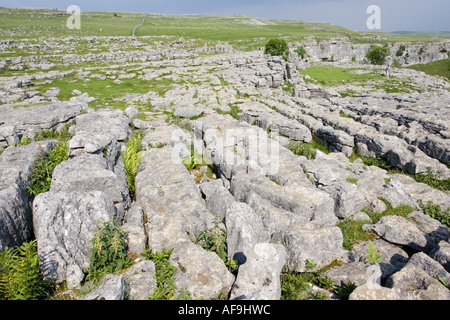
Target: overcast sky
{"x":396,"y":15}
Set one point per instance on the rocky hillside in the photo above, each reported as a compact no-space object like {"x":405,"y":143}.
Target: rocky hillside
{"x":238,"y":145}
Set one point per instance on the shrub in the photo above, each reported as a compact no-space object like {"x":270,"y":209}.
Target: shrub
{"x":301,"y":52}
{"x":377,"y":55}
{"x":132,"y":159}
{"x":108,"y":250}
{"x":20,"y":275}
{"x":277,"y":47}
{"x":400,"y":51}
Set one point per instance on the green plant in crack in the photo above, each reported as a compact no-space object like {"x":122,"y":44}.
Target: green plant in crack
{"x":373,"y":254}
{"x":435,"y":211}
{"x":43,"y":166}
{"x":108,"y":250}
{"x":164,"y":275}
{"x":345,"y":290}
{"x":132,"y":159}
{"x":297,"y":285}
{"x":215,"y":240}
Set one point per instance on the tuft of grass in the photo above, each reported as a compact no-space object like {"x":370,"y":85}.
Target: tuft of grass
{"x":234,"y":112}
{"x":307,"y":150}
{"x":353,"y":232}
{"x":62,"y":135}
{"x":297,"y":285}
{"x":403,"y":211}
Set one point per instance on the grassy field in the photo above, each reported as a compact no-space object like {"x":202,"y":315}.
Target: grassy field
{"x":436,"y":68}
{"x":332,"y":76}
{"x":371,"y":80}
{"x":240,"y":31}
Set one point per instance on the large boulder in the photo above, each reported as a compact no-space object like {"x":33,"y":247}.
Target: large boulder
{"x":398,"y":230}
{"x":96,"y":131}
{"x":244,"y":230}
{"x":200,"y":272}
{"x":321,"y":246}
{"x":88,"y":173}
{"x":140,"y":281}
{"x":414,"y":283}
{"x":305,"y":202}
{"x":259,"y":276}
{"x":172,"y":203}
{"x":64,"y":225}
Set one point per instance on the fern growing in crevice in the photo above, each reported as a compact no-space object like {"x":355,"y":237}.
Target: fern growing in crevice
{"x":131,"y":160}
{"x":20,"y":275}
{"x":43,"y":166}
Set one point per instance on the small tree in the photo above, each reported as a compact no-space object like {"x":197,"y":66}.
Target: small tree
{"x":377,"y":55}
{"x":277,"y":47}
{"x":301,"y":52}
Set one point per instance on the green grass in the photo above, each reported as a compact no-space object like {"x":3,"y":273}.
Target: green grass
{"x":437,"y":68}
{"x":353,"y":232}
{"x":331,"y":76}
{"x":106,"y":92}
{"x":307,"y":150}
{"x":371,"y":79}
{"x":402,"y":211}
{"x":296,"y":285}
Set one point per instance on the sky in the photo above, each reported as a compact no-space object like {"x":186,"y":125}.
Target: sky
{"x":395,"y":15}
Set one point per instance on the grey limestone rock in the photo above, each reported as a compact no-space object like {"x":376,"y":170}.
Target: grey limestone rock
{"x":15,"y":177}
{"x":64,"y":224}
{"x":259,"y":276}
{"x":139,"y":280}
{"x":398,"y":230}
{"x":244,"y":230}
{"x":200,"y":272}
{"x":111,"y":289}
